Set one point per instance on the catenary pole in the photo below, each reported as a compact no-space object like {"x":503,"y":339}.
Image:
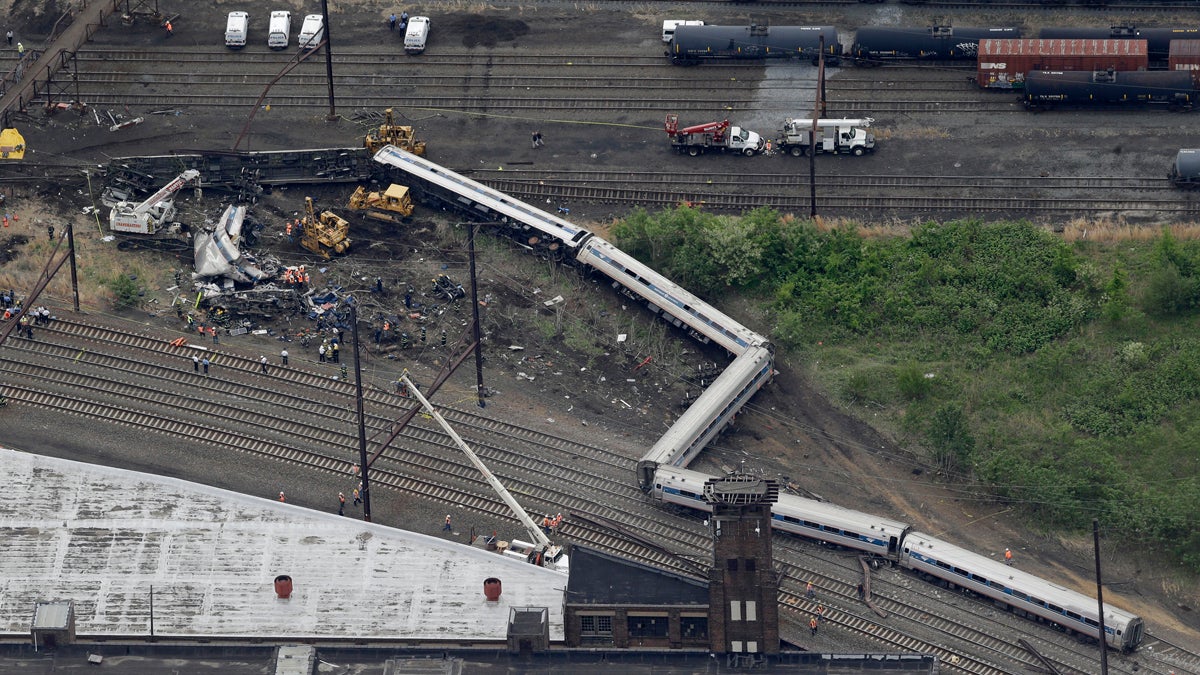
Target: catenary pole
{"x":362,"y":429}
{"x":1100,"y":598}
{"x":479,"y":390}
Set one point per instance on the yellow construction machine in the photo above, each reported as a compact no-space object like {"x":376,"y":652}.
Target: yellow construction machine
{"x":325,"y":233}
{"x":391,"y":205}
{"x":390,"y":134}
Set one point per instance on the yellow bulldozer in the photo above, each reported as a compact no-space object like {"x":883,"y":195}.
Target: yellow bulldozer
{"x":324,"y":234}
{"x":392,"y":205}
{"x":390,"y":134}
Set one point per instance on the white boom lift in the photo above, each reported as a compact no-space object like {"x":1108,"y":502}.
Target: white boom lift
{"x":552,"y":556}
{"x":148,"y":216}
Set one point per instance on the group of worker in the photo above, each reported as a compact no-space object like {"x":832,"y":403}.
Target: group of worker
{"x":296,"y":275}
{"x":330,"y":351}
{"x":550,"y":524}
{"x":401,"y":21}
{"x":294,"y":228}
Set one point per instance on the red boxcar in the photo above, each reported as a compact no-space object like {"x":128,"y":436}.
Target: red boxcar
{"x":1185,"y":55}
{"x":1003,"y":63}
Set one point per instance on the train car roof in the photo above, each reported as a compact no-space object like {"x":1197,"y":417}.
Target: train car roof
{"x":828,"y":513}
{"x":710,"y":404}
{"x":495,"y":200}
{"x":1011,"y":576}
{"x":720,"y":327}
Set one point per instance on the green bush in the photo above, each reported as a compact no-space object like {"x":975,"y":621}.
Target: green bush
{"x":127,"y":290}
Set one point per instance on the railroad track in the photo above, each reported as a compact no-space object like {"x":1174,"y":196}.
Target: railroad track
{"x":798,"y":200}
{"x":417,"y":471}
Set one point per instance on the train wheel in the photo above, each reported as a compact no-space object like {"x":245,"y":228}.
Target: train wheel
{"x":797,"y":151}
{"x":693,"y":151}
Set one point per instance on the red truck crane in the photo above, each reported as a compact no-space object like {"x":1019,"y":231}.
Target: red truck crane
{"x":713,"y":135}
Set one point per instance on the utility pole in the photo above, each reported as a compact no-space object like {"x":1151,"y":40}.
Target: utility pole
{"x":362,"y":429}
{"x":818,"y":106}
{"x":329,"y":71}
{"x":479,"y":390}
{"x":74,"y":275}
{"x":1100,"y":598}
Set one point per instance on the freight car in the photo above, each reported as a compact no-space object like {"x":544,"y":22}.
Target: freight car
{"x":874,"y":46}
{"x":1158,"y":40}
{"x":1047,"y":89}
{"x":1185,"y":172}
{"x":693,"y":44}
{"x":1003,"y":63}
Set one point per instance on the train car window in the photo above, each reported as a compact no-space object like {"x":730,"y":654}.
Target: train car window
{"x":1039,"y":603}
{"x":1054,"y":608}
{"x":1091,"y":622}
{"x":961,"y":572}
{"x":813,"y":525}
{"x":945,"y":566}
{"x":1075,"y":616}
{"x":852,"y":535}
{"x":981,"y":580}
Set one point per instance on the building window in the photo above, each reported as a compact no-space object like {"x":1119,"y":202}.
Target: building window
{"x":648,"y":626}
{"x":735,"y":610}
{"x":693,"y":627}
{"x":595,"y":625}
{"x":751,"y":610}
{"x":731,"y":564}
{"x":750,"y":566}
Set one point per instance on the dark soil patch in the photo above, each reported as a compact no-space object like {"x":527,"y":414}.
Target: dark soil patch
{"x":10,"y":247}
{"x":485,"y":31}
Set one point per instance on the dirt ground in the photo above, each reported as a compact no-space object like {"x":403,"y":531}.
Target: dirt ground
{"x":794,"y":430}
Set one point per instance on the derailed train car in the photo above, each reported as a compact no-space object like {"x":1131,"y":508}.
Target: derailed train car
{"x":1048,"y":89}
{"x":877,"y":45}
{"x":693,"y":44}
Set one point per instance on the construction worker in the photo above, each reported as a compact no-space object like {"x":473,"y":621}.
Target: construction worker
{"x":812,"y":625}
{"x":546,"y":524}
{"x":1007,"y":557}
{"x":170,"y":28}
{"x":281,"y":497}
{"x":336,"y":352}
{"x":20,"y":50}
{"x":288,"y":231}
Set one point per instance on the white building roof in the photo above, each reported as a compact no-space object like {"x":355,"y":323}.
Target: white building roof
{"x":102,"y":537}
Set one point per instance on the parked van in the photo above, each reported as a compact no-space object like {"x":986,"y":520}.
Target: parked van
{"x":281,"y":30}
{"x":670,"y":24}
{"x":312,"y":31}
{"x":235,"y":30}
{"x":416,"y":35}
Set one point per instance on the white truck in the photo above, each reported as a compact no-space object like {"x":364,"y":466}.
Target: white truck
{"x":236,"y":28}
{"x":670,"y":25}
{"x":280,"y":33}
{"x":416,"y":35}
{"x":833,"y":135}
{"x":312,"y":31}
{"x":150,"y":215}
{"x":720,"y":136}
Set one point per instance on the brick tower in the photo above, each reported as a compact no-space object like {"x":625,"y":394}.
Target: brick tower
{"x":743,"y":587}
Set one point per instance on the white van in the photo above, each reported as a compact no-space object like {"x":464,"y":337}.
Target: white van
{"x":281,"y":30}
{"x":670,"y":24}
{"x":312,"y":31}
{"x":416,"y":35}
{"x":235,"y":30}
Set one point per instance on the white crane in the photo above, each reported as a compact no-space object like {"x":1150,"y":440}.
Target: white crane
{"x":148,"y":216}
{"x":551,"y":556}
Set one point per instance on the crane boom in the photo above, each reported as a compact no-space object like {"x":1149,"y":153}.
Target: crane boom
{"x":531,"y":526}
{"x":167,"y":190}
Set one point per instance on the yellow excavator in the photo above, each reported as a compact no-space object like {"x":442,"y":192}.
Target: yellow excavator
{"x":390,"y":134}
{"x":391,"y":205}
{"x":324,"y":234}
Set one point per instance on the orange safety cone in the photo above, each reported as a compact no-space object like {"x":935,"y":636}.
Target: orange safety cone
{"x":15,"y":218}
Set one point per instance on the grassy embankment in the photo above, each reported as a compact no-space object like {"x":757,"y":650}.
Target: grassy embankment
{"x":1059,"y":373}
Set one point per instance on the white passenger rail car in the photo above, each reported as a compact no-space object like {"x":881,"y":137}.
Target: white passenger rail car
{"x":532,"y":227}
{"x":711,"y":412}
{"x":1025,"y":593}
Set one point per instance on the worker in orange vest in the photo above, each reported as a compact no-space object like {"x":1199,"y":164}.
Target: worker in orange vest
{"x":289,"y":232}
{"x":1007,"y":557}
